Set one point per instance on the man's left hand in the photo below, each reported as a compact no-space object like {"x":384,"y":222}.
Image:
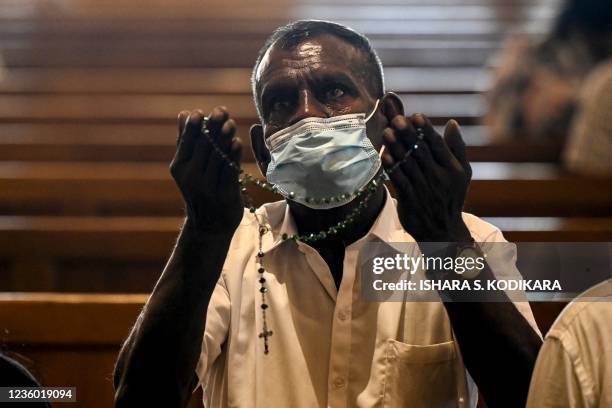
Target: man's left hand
{"x":431,"y":182}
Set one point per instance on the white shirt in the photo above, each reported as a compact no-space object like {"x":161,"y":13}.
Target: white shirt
{"x":574,"y":366}
{"x":330,"y":348}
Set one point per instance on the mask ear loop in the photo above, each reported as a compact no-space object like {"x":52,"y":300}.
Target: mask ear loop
{"x":382,"y":150}
{"x":373,"y":111}
{"x":385,"y":175}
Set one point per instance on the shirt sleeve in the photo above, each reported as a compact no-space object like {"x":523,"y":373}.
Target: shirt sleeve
{"x":215,"y":331}
{"x":555,"y":381}
{"x":503,"y":266}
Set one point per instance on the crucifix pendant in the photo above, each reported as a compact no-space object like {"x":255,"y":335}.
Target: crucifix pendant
{"x":265,"y":334}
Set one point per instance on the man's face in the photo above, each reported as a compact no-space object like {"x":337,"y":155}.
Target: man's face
{"x":322,"y":76}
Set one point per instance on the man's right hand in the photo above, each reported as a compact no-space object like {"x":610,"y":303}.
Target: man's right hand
{"x":208,"y":184}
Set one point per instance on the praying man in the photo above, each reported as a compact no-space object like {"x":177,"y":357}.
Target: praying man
{"x":261,"y":307}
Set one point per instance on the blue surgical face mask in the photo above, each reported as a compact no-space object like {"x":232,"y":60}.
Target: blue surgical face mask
{"x":321,"y":162}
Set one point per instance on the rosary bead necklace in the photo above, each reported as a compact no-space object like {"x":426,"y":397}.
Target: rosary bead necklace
{"x":363,"y":195}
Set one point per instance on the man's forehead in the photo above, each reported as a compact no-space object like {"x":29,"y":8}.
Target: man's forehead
{"x":309,"y":54}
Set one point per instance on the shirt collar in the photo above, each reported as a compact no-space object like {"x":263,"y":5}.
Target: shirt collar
{"x":278,"y":219}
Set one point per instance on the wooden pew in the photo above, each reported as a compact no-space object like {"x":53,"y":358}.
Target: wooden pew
{"x":152,"y":238}
{"x":466,"y":10}
{"x":157,"y":143}
{"x":405,"y":38}
{"x":127,"y":254}
{"x":243,"y":53}
{"x":69,"y":340}
{"x":186,"y":81}
{"x":497,"y":189}
{"x":158,"y":109}
{"x":123,"y":35}
{"x":73,"y":339}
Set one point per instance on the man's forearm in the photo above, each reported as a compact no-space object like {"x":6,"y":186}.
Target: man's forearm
{"x":496,"y":342}
{"x":495,"y":339}
{"x":499,"y":349}
{"x":157,"y":362}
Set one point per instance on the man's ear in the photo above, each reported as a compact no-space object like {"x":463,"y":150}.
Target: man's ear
{"x":391,"y":105}
{"x":260,"y":151}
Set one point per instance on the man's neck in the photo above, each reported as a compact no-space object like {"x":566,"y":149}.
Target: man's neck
{"x":312,"y":221}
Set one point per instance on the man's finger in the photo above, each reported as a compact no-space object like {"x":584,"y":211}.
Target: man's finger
{"x":236,"y":148}
{"x":426,"y":163}
{"x":404,"y":131}
{"x":439,"y":150}
{"x":226,"y":134}
{"x":216,"y":119}
{"x":399,"y":179}
{"x":391,"y":109}
{"x":393,"y":146}
{"x":416,"y":176}
{"x":220,"y":161}
{"x":226,"y":174}
{"x":181,"y":121}
{"x":454,"y":141}
{"x":189,"y":136}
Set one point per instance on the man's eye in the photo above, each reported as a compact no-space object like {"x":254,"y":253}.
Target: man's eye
{"x":335,"y":93}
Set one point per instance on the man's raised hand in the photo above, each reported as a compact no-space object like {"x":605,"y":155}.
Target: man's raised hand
{"x":432,"y":182}
{"x":209,"y":186}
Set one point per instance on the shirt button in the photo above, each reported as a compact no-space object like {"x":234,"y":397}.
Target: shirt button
{"x":342,"y":315}
{"x":339,"y":382}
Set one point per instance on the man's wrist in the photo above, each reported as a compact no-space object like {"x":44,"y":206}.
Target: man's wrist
{"x":461,"y":235}
{"x":194,"y":235}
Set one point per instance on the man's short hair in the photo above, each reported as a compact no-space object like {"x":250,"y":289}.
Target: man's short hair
{"x":293,"y":34}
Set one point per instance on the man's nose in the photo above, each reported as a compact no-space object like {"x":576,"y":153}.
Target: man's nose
{"x":308,"y":106}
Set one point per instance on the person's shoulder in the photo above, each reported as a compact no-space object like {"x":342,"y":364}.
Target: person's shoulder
{"x":599,"y":82}
{"x":592,"y":308}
